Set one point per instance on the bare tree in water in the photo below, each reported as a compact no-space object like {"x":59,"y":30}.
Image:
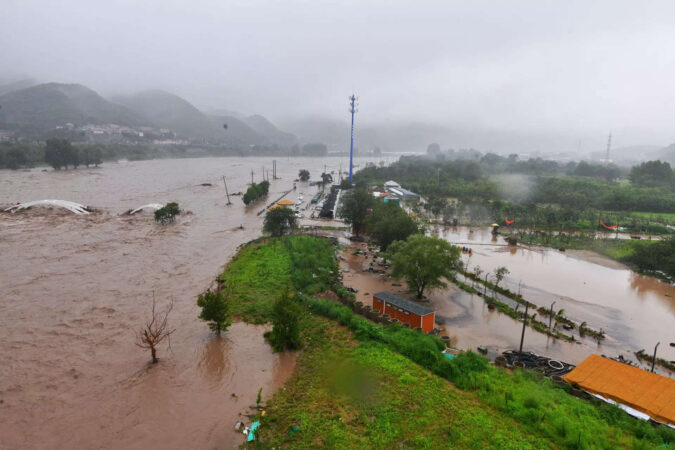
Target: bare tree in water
{"x":155,"y":330}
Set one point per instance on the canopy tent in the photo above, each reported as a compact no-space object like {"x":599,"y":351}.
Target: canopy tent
{"x":643,"y":391}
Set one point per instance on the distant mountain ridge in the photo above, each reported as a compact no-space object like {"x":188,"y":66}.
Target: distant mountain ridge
{"x":51,"y":105}
{"x":54,"y":104}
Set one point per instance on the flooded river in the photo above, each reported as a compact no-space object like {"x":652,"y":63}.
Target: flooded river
{"x":74,"y":289}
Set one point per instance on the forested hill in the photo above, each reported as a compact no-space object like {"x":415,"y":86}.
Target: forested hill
{"x":170,"y":111}
{"x":34,"y":111}
{"x":54,"y":104}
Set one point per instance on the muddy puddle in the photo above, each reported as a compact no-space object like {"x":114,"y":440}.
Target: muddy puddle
{"x":74,"y":289}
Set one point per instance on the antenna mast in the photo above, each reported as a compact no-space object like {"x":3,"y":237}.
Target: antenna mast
{"x":353,"y":108}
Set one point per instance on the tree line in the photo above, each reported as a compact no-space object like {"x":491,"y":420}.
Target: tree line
{"x":649,"y":186}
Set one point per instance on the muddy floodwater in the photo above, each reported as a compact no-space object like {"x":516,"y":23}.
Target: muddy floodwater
{"x":74,"y":289}
{"x":635,"y":311}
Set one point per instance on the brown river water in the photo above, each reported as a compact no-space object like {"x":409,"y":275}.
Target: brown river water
{"x":74,"y":289}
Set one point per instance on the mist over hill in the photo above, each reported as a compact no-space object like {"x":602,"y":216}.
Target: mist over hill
{"x":267,"y":129}
{"x":15,"y":85}
{"x":35,"y":111}
{"x":54,"y":104}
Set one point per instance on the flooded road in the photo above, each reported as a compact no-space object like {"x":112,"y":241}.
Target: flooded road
{"x":74,"y":289}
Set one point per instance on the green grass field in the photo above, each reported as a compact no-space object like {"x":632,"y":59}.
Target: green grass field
{"x":666,"y":217}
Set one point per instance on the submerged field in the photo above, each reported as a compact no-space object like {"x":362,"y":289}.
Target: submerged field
{"x":359,"y":384}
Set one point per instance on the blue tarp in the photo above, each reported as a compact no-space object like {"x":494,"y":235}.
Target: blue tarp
{"x":251,"y":432}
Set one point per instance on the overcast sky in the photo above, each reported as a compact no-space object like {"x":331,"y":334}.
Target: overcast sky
{"x":573,"y":68}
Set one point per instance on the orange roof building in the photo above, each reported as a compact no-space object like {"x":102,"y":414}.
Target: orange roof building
{"x":643,"y":391}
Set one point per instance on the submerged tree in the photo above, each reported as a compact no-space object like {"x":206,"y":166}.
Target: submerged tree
{"x":326,"y":178}
{"x":303,"y":175}
{"x":354,"y":209}
{"x":255,"y":191}
{"x":388,"y":222}
{"x":59,"y":153}
{"x":215,"y":310}
{"x":286,"y":330}
{"x":500,"y":273}
{"x":155,"y":330}
{"x":167,"y":214}
{"x":279,"y":221}
{"x":424,"y":262}
{"x":477,"y":271}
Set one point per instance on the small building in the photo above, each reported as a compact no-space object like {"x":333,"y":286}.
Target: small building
{"x":404,"y":194}
{"x":392,"y":199}
{"x":391,"y":184}
{"x":405,"y":311}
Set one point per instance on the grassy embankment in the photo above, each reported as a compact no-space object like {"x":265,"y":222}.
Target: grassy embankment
{"x":361,"y":384}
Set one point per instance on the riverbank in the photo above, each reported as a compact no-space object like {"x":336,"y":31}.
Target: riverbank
{"x":361,"y":384}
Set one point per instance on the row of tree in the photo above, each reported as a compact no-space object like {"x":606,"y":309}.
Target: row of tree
{"x":60,"y":153}
{"x":256,"y":191}
{"x":63,"y":153}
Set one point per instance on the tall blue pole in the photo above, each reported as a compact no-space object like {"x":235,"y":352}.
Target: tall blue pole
{"x":352,"y":109}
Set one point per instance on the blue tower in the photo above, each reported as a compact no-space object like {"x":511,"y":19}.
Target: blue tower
{"x":352,"y":110}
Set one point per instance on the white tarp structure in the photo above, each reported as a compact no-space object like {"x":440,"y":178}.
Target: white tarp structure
{"x":153,"y":206}
{"x":70,"y":206}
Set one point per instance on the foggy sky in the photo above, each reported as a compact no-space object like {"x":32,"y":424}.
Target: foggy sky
{"x":570,"y":68}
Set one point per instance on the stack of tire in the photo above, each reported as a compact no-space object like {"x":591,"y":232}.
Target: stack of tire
{"x":546,"y":366}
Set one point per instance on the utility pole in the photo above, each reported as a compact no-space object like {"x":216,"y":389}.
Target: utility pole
{"x":352,"y":109}
{"x":654,"y":357}
{"x":251,"y":176}
{"x":550,"y":317}
{"x":226,"y":192}
{"x":522,"y":335}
